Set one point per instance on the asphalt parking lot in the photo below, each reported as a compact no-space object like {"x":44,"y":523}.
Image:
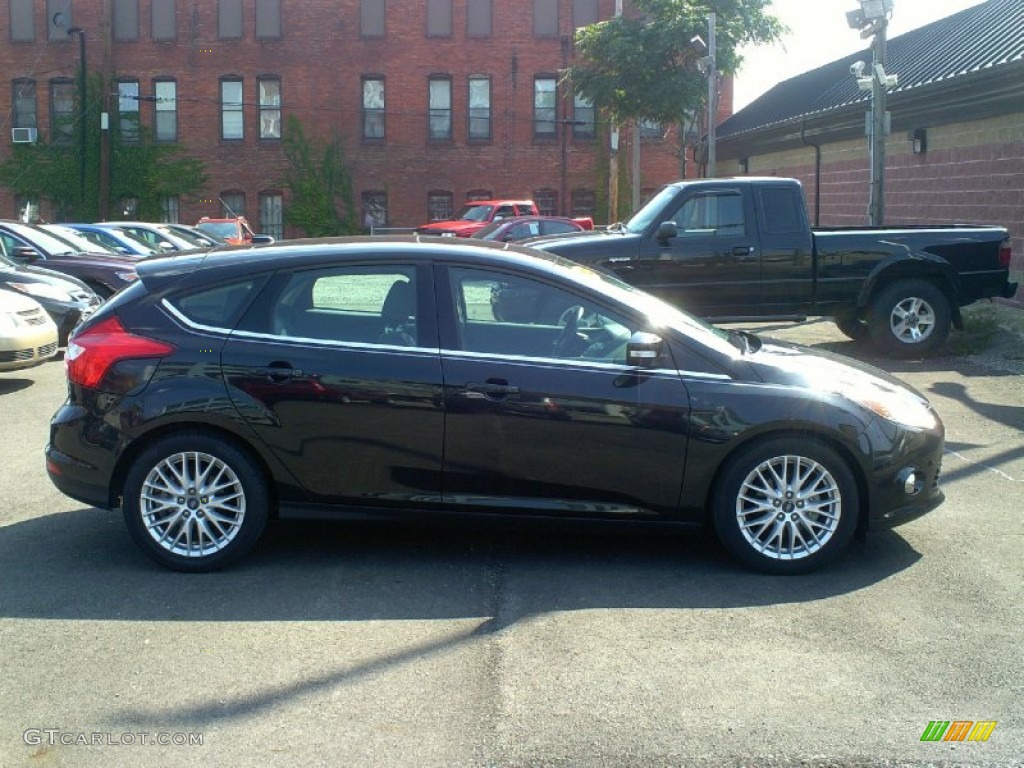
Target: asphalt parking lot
{"x":367,"y":645}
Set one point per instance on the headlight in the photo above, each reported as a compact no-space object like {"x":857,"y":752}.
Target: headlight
{"x":43,"y":290}
{"x":901,"y":408}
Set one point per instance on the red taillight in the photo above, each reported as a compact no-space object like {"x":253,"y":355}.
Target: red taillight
{"x":93,"y":351}
{"x":1005,"y":254}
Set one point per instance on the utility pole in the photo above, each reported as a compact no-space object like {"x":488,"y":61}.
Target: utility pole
{"x":712,"y":96}
{"x":83,"y":113}
{"x":879,"y":128}
{"x":872,"y":19}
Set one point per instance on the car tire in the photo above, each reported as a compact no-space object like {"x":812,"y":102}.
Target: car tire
{"x":851,"y":325}
{"x":195,"y":502}
{"x":909,"y":318}
{"x":785,"y":505}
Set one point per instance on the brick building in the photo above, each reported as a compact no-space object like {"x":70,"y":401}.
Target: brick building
{"x":956,"y":148}
{"x":436,"y":102}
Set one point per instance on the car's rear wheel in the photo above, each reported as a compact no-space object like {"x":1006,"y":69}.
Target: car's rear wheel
{"x":195,"y":502}
{"x":909,"y":318}
{"x":786,"y":506}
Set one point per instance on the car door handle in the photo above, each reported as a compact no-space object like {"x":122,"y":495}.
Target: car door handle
{"x":742,"y":250}
{"x":493,"y":387}
{"x":278,"y":373}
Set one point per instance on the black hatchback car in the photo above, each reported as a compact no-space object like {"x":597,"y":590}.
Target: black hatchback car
{"x":371,"y":375}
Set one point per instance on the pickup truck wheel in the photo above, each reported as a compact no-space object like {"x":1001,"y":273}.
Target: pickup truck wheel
{"x":851,"y":325}
{"x":909,"y":318}
{"x":786,"y":506}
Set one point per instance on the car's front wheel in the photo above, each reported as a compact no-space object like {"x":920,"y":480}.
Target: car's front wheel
{"x":195,"y":502}
{"x":785,"y":505}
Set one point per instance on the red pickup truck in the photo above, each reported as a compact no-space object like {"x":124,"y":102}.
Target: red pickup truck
{"x":478,"y":214}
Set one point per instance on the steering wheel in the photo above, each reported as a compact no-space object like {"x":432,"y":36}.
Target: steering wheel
{"x":570,"y":322}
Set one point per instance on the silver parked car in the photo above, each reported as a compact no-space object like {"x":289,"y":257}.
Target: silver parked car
{"x":28,"y":335}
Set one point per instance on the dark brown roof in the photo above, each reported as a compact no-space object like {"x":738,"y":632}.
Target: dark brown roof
{"x":985,"y":37}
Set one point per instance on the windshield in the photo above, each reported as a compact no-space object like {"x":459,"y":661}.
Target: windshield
{"x":642,"y":219}
{"x":476,"y":212}
{"x":76,"y":239}
{"x":49,"y":243}
{"x":189,"y":235}
{"x":221,"y":229}
{"x":661,"y":313}
{"x":494,"y":226}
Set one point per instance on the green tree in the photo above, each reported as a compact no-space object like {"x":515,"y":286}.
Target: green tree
{"x":140,"y":168}
{"x":643,"y":66}
{"x":322,"y":203}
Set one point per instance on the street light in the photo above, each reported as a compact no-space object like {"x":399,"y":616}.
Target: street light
{"x":82,"y":112}
{"x":871,"y":19}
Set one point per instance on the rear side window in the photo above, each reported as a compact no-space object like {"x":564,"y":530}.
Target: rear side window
{"x":219,"y":307}
{"x":783,"y":210}
{"x":351,"y":303}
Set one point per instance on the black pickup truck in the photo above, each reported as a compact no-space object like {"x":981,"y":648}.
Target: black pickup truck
{"x":741,"y":249}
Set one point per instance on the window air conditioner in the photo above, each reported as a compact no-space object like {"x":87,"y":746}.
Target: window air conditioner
{"x":24,"y":135}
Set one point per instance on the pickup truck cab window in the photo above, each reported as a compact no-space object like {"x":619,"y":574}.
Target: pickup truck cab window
{"x":711,"y":215}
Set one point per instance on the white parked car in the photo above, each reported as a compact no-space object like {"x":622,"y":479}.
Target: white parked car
{"x":28,"y":335}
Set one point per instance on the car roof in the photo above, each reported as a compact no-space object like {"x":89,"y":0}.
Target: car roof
{"x":229,"y":260}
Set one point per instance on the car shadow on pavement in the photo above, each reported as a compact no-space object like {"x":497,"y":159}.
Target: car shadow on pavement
{"x":83,"y":565}
{"x":8,"y":386}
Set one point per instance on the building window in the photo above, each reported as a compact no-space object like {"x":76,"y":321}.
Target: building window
{"x":62,"y":112}
{"x":440,"y":108}
{"x":270,"y":107}
{"x":584,"y":12}
{"x":232,"y":204}
{"x":545,"y":18}
{"x":23,"y":24}
{"x":165,"y":93}
{"x":439,"y":18}
{"x":229,"y":19}
{"x":545,"y":102}
{"x":584,"y":202}
{"x":169,"y":209}
{"x":373,"y":108}
{"x":58,"y":19}
{"x":128,"y":110}
{"x":375,"y":210}
{"x":480,"y":108}
{"x":547,"y":202}
{"x":651,"y":129}
{"x":268,"y":19}
{"x":478,"y":18}
{"x":479,"y":194}
{"x":164,"y":19}
{"x":24,"y":104}
{"x":371,"y":18}
{"x":272,"y":214}
{"x":439,"y":206}
{"x":126,"y":19}
{"x":231,"y":123}
{"x":583,"y":117}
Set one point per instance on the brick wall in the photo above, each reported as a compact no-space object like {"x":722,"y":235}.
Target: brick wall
{"x":320,"y":60}
{"x":971,"y":173}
